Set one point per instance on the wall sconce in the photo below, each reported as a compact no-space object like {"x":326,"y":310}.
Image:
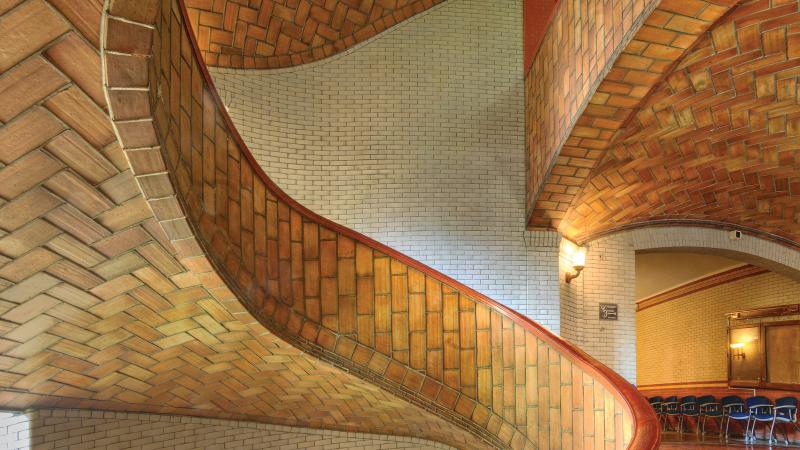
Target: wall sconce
{"x":743,"y":339}
{"x":737,"y":350}
{"x":578,"y":262}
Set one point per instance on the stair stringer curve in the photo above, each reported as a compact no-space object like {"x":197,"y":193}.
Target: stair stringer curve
{"x":330,"y":291}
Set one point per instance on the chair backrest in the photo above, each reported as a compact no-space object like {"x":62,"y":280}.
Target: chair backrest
{"x":732,"y":400}
{"x":670,"y":405}
{"x":655,"y":402}
{"x":732,"y":403}
{"x":689,"y":404}
{"x":759,"y":405}
{"x":788,"y":407}
{"x":706,"y":399}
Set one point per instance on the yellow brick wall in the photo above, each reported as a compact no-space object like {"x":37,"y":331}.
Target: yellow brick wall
{"x":684,"y":340}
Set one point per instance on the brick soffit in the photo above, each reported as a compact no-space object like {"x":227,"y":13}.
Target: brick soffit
{"x":582,"y":196}
{"x":268,"y":34}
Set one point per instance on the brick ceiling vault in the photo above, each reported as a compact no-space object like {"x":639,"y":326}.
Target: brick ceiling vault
{"x":692,"y":124}
{"x":147,"y":264}
{"x":268,"y":34}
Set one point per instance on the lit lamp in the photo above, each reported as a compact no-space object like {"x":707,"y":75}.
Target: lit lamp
{"x":737,"y":350}
{"x":578,"y":262}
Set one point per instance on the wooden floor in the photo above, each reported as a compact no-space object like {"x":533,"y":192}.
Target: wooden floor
{"x":671,"y":440}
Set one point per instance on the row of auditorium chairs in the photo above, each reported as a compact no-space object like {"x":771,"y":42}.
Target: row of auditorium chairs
{"x":752,"y":411}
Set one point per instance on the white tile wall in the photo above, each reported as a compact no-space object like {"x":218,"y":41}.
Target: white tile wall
{"x":416,"y":139}
{"x":542,"y":278}
{"x":77,"y":429}
{"x":609,"y":277}
{"x":569,"y":294}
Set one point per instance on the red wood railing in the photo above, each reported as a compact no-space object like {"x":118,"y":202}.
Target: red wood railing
{"x":339,"y":295}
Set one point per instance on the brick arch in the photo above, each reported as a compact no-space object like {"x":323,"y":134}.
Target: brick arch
{"x":751,"y":248}
{"x":266,"y":34}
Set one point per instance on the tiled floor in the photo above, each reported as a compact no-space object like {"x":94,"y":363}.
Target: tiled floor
{"x":671,"y":440}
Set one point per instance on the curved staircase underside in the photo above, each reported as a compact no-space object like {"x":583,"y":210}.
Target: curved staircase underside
{"x":148,"y":264}
{"x":264,"y":34}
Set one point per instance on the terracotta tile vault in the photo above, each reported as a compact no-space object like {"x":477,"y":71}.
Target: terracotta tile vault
{"x":267,"y":34}
{"x":147,"y":264}
{"x":708,"y":135}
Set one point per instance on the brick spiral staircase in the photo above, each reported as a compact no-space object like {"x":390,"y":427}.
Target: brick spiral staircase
{"x":148,"y":264}
{"x":350,"y":301}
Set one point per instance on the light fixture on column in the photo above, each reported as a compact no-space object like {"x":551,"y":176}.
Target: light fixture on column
{"x":578,"y":262}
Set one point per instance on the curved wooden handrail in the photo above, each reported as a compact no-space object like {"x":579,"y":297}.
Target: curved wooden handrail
{"x":176,"y":197}
{"x":646,"y":432}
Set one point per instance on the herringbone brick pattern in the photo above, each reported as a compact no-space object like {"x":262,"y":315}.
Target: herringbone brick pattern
{"x":97,"y":309}
{"x":267,"y":34}
{"x":717,"y":140}
{"x":664,"y":37}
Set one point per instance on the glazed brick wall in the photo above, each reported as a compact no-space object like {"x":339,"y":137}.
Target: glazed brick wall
{"x":684,"y":340}
{"x":543,"y":253}
{"x":569,"y":293}
{"x":609,"y":277}
{"x":416,"y":140}
{"x":84,"y":429}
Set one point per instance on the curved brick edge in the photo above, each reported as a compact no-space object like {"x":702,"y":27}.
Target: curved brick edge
{"x":752,"y":248}
{"x":275,"y":36}
{"x":710,"y":224}
{"x":129,"y":80}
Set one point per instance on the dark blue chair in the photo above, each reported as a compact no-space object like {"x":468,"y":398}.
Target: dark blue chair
{"x":709,"y":409}
{"x":656,"y":403}
{"x":759,"y":409}
{"x":688,"y":408}
{"x":732,"y":404}
{"x":670,"y":408}
{"x":785,"y":413}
